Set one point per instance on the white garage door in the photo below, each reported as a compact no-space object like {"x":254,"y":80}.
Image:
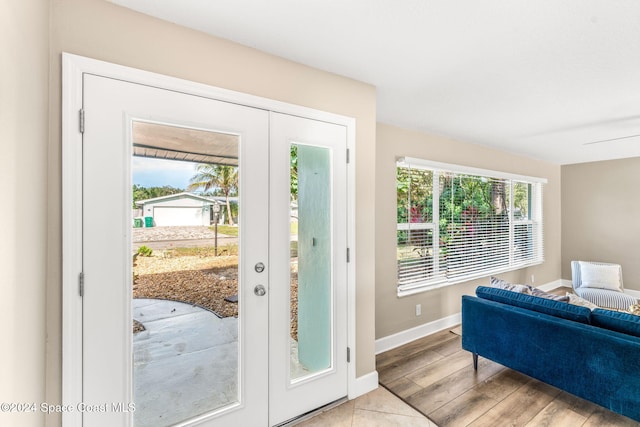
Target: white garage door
{"x":165,"y":216}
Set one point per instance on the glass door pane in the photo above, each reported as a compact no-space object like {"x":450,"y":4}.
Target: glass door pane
{"x":185,"y":272}
{"x":311,"y":254}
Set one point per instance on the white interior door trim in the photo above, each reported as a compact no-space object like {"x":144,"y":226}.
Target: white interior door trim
{"x":73,"y":68}
{"x":71,"y":241}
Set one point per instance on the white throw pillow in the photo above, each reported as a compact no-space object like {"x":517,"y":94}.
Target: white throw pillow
{"x":600,"y":276}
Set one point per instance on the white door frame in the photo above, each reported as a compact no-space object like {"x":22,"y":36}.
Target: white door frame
{"x":73,"y":69}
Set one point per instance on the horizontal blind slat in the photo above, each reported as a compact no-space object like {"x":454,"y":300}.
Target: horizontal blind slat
{"x":474,"y":232}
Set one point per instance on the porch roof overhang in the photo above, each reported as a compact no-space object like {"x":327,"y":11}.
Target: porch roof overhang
{"x":170,"y":142}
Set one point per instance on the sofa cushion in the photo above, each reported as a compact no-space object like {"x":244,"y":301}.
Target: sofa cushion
{"x":541,"y":305}
{"x":616,"y":321}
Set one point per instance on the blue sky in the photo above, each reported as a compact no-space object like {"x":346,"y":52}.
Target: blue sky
{"x":149,"y":172}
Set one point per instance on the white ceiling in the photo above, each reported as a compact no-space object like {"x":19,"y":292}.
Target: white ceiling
{"x":543,"y":78}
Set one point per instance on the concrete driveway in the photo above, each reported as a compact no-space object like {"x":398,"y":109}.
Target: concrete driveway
{"x":158,"y":238}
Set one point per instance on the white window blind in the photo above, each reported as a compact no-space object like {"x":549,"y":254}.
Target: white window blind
{"x":456,"y":224}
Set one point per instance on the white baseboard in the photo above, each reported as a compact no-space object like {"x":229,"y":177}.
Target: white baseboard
{"x":632,"y":292}
{"x":396,"y":340}
{"x":555,"y":284}
{"x":364,"y":384}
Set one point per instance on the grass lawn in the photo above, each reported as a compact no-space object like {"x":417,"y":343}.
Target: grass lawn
{"x":205,"y":251}
{"x":226,"y":229}
{"x":233,"y":230}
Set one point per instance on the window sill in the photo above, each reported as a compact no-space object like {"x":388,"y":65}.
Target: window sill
{"x":423,"y":288}
{"x":433,"y":284}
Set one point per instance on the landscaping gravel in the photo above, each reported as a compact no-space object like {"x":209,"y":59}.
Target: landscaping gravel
{"x":204,"y":281}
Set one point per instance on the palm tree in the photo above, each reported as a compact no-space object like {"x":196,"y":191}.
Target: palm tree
{"x":210,"y":176}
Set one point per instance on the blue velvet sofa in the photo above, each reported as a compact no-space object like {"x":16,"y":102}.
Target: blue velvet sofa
{"x":591,"y":354}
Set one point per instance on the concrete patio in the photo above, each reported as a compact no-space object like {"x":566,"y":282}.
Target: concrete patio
{"x":185,"y":362}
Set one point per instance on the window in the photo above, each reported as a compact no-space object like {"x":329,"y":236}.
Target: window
{"x":456,"y":223}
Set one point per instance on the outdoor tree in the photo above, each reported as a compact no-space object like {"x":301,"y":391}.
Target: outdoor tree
{"x":144,"y":193}
{"x":224,"y":178}
{"x":293,"y":181}
{"x":468,"y":205}
{"x":415,"y":193}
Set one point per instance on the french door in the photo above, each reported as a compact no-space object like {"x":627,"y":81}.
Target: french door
{"x":160,"y":347}
{"x":307,"y":348}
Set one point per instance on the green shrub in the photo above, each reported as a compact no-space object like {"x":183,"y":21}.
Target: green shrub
{"x":145,"y":251}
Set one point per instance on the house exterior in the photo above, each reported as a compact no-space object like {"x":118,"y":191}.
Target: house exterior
{"x":182,"y":209}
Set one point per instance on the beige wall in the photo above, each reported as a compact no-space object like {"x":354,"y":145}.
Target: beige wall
{"x":23,"y":173}
{"x":600,"y":206}
{"x":101,"y":30}
{"x":395,"y":314}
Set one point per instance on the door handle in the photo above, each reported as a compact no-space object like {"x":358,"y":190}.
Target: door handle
{"x":259,"y":290}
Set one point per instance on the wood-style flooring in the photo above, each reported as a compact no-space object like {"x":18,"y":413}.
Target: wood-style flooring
{"x":435,"y":376}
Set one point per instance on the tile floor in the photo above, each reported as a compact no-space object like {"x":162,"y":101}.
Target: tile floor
{"x":379,"y":408}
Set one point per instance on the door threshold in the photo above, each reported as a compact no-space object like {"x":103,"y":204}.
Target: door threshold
{"x":313,"y":413}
